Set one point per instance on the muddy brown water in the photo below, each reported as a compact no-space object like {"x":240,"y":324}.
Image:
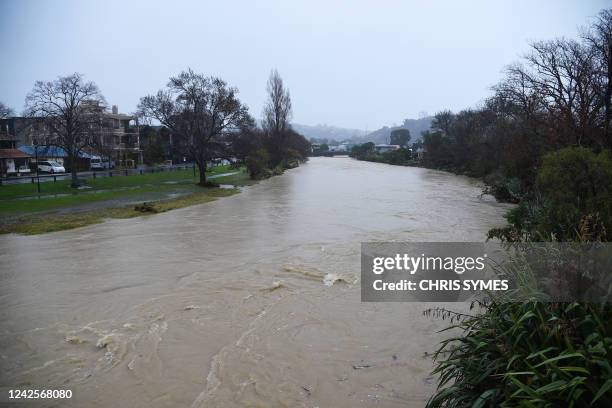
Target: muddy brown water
{"x":252,"y":300}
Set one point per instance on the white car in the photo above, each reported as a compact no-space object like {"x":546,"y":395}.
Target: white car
{"x":97,"y":163}
{"x":50,"y":166}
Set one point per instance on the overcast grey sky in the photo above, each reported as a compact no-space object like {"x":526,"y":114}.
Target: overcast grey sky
{"x":359,"y":64}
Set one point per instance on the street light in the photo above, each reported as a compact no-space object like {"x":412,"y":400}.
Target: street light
{"x":36,"y":154}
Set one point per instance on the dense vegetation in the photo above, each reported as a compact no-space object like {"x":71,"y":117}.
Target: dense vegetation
{"x":572,"y":199}
{"x":209,"y":122}
{"x":201,"y":119}
{"x":542,"y":140}
{"x":275,"y":146}
{"x":557,"y":97}
{"x":266,"y":153}
{"x":401,"y":157}
{"x":529,"y":354}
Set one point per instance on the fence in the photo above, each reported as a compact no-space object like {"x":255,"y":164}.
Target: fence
{"x":32,"y":178}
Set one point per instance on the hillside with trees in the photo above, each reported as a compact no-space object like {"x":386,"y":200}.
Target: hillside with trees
{"x":415,"y":126}
{"x":327,"y":132}
{"x":331,"y":134}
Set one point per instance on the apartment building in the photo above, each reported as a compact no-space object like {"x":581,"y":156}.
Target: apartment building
{"x":116,"y":137}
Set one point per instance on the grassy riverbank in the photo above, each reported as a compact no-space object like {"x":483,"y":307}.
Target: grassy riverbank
{"x":59,"y":207}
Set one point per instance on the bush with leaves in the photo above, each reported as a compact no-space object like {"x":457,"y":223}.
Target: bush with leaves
{"x":573,"y":188}
{"x":529,"y":354}
{"x":258,"y":163}
{"x":362,"y":151}
{"x":575,"y":182}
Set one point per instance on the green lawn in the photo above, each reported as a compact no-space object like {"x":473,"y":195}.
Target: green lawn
{"x":19,"y":199}
{"x":11,"y":191}
{"x":60,"y":207}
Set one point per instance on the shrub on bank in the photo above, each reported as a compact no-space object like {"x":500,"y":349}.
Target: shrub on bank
{"x":258,"y":163}
{"x":533,"y":353}
{"x":575,"y":182}
{"x":528,"y":354}
{"x":573,"y":190}
{"x":399,"y":157}
{"x":504,"y":189}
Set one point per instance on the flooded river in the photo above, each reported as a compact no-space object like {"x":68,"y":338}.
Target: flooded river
{"x":249,"y":301}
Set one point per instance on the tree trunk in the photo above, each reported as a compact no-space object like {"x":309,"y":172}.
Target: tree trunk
{"x":202,"y":169}
{"x":608,"y":100}
{"x":74,"y":183}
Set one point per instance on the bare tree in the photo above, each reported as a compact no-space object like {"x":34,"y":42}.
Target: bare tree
{"x":277,"y":115}
{"x":200,"y":112}
{"x":599,"y":37}
{"x":67,"y":112}
{"x":5,"y":111}
{"x":559,"y":79}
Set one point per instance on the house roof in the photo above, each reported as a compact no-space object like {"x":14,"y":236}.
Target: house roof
{"x":13,"y":154}
{"x":51,"y":151}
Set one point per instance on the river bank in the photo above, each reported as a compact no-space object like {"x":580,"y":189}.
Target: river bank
{"x":504,"y":190}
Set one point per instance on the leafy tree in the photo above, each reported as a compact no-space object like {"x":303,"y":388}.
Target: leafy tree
{"x":397,"y":157}
{"x":575,"y":183}
{"x":362,"y":150}
{"x":153,"y":151}
{"x":299,"y":146}
{"x":439,"y":149}
{"x":400,"y":137}
{"x":202,"y":112}
{"x":258,"y":163}
{"x":246,"y":141}
{"x":572,"y":200}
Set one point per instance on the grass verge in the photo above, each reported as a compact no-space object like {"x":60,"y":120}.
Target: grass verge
{"x":39,"y":224}
{"x":57,"y":213}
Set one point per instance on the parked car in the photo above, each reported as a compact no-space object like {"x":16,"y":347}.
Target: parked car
{"x":50,"y":166}
{"x":100,"y":164}
{"x":23,"y":169}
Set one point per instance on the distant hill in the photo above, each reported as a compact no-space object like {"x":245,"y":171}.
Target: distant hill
{"x":327,"y":132}
{"x":331,"y":133}
{"x":415,"y":126}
